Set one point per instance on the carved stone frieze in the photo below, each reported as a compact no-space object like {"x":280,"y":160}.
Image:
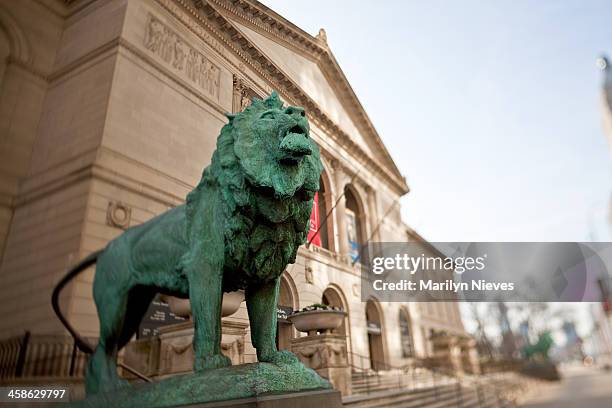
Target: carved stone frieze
{"x":212,"y":25}
{"x":176,"y":8}
{"x":184,"y":59}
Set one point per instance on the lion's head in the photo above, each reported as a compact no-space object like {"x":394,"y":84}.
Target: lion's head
{"x":266,"y":168}
{"x":274,"y":148}
{"x":268,"y":148}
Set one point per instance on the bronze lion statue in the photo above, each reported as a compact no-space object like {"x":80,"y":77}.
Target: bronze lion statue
{"x":239,"y":229}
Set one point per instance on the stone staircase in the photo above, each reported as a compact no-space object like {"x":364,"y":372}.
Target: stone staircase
{"x":368,"y":382}
{"x":441,"y":396}
{"x":422,"y":388}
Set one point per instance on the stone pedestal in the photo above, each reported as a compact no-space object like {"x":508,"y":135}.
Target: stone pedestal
{"x":141,"y":355}
{"x":171,"y":351}
{"x":327,"y":355}
{"x":469,"y":355}
{"x":318,"y":399}
{"x":246,"y":385}
{"x":447,"y":353}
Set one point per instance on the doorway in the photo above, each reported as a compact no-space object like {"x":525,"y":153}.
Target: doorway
{"x":375,"y":335}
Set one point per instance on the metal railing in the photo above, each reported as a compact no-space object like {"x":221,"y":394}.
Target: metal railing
{"x":384,"y":375}
{"x":31,"y":355}
{"x":419,"y":374}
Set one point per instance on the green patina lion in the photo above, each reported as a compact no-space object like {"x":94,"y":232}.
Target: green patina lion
{"x":239,"y":229}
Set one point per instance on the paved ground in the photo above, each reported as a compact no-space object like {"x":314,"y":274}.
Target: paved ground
{"x":580,"y":388}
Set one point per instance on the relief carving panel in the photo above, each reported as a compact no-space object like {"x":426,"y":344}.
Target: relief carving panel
{"x":181,"y":58}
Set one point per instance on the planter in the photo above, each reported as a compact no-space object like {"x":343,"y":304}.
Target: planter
{"x":317,"y":320}
{"x":230,"y":305}
{"x":231,"y":302}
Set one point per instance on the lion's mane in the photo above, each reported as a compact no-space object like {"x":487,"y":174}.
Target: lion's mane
{"x":257,"y":245}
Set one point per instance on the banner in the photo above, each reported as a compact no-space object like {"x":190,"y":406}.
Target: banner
{"x":314,"y":222}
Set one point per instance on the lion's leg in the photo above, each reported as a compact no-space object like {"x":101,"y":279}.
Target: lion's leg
{"x":139,"y":300}
{"x":261,"y":303}
{"x":206,"y":295}
{"x":203,"y":266}
{"x":111,"y":302}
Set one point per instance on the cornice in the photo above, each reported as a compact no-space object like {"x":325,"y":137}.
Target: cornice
{"x":331,"y":69}
{"x":27,"y":67}
{"x":43,"y":184}
{"x":229,"y":35}
{"x":271,"y":24}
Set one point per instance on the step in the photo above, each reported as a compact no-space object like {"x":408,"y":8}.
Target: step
{"x":384,"y":392}
{"x":430,"y":401}
{"x":395,"y":382}
{"x":405,"y":397}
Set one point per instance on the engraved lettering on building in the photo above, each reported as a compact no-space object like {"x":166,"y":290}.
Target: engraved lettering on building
{"x":187,"y":61}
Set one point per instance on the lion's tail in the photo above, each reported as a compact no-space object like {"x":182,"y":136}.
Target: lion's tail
{"x":81,"y":343}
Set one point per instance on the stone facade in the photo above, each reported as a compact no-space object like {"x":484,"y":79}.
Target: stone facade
{"x":110,"y":110}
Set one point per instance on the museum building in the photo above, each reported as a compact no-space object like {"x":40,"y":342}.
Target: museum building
{"x":109,"y":111}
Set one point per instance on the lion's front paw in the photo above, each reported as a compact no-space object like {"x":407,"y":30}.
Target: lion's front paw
{"x":281,"y":357}
{"x":210,"y":362}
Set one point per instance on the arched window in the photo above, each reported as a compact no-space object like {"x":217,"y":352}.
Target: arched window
{"x":405,"y":333}
{"x":333,"y":297}
{"x":354,"y":223}
{"x":324,"y":203}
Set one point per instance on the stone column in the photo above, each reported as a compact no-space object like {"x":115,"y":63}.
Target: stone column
{"x":373,"y":216}
{"x":342,"y":238}
{"x":469,"y":355}
{"x":447,"y":353}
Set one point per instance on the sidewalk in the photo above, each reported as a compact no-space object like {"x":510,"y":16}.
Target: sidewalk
{"x":581,"y":387}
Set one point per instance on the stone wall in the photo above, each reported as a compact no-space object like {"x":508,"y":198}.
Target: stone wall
{"x":29,"y":37}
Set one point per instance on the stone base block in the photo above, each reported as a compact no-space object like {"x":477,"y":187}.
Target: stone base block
{"x":327,"y":355}
{"x":318,"y":399}
{"x":248,"y":381}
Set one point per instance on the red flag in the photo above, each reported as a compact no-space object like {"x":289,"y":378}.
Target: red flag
{"x":314,"y":222}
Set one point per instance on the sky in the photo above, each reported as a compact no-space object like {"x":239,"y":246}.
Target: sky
{"x":491,"y":110}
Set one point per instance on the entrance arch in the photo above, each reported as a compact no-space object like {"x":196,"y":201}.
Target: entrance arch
{"x":287,"y":303}
{"x":375,"y":330}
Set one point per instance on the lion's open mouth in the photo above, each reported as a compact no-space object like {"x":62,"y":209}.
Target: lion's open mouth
{"x":295,"y":145}
{"x":297,"y":129}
